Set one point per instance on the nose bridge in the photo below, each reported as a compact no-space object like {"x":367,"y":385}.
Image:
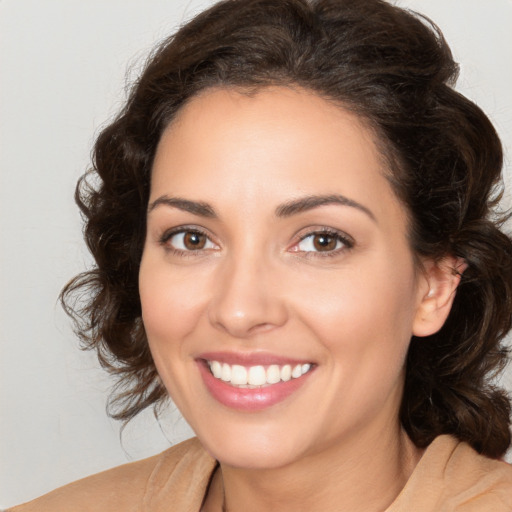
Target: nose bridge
{"x":245,"y":299}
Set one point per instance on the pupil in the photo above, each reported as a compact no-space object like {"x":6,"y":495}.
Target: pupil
{"x":324,"y":242}
{"x":194,"y":241}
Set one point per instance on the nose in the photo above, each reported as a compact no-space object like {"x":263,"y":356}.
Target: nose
{"x":247,"y":299}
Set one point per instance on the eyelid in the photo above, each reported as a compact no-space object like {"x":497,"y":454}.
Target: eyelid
{"x":164,"y":238}
{"x":347,"y":241}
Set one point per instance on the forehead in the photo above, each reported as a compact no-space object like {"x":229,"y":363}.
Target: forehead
{"x":277,"y":143}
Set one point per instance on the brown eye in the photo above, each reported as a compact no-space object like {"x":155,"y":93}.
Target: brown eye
{"x":188,"y":240}
{"x":324,"y":242}
{"x":193,"y":240}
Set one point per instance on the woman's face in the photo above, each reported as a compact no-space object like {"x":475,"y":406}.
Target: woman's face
{"x":278,"y":290}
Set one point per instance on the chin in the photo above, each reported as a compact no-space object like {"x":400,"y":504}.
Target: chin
{"x":252,"y":448}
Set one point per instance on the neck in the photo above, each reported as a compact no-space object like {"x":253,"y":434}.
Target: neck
{"x":364,"y":474}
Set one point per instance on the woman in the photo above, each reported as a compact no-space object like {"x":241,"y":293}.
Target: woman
{"x":294,"y":242}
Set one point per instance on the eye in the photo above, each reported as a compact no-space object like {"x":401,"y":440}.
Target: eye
{"x":186,"y":240}
{"x":323,"y":241}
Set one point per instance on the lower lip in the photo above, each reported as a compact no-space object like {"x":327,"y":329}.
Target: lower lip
{"x":245,"y":399}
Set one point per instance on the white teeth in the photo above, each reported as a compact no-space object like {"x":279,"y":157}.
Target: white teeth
{"x":238,"y":375}
{"x":297,"y":371}
{"x":256,"y":376}
{"x":226,"y":373}
{"x":286,"y":373}
{"x":216,"y":368}
{"x":273,"y":374}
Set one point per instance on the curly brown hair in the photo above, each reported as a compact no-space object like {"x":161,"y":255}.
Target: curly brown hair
{"x":394,"y":69}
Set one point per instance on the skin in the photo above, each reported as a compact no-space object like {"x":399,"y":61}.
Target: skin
{"x":260,"y":285}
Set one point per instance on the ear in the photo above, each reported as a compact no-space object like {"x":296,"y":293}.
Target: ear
{"x":436,"y":291}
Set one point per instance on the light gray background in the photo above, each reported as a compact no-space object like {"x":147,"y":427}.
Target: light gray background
{"x":63,"y":65}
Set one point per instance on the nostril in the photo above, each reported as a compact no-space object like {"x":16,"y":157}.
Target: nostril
{"x":244,"y":324}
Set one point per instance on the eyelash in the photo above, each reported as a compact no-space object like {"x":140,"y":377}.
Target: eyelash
{"x":346,"y":241}
{"x":167,"y":235}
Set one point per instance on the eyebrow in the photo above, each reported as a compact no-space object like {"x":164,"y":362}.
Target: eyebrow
{"x":310,"y":202}
{"x":287,"y":209}
{"x":196,"y":207}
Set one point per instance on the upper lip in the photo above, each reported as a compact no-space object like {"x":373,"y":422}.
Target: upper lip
{"x":251,"y":358}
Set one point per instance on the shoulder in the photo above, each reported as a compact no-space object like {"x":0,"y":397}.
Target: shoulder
{"x":478,"y":482}
{"x":452,"y":477}
{"x":130,"y":486}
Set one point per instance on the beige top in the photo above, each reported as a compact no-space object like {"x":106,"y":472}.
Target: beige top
{"x":450,"y":477}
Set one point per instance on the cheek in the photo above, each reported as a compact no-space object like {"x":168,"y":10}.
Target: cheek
{"x":364,"y":329}
{"x":171,"y":308}
{"x":362,"y":315}
{"x":172,"y":302}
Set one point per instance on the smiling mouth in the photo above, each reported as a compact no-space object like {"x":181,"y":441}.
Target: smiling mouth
{"x":253,"y":377}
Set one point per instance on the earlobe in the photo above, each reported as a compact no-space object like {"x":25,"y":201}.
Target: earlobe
{"x":436,"y":295}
